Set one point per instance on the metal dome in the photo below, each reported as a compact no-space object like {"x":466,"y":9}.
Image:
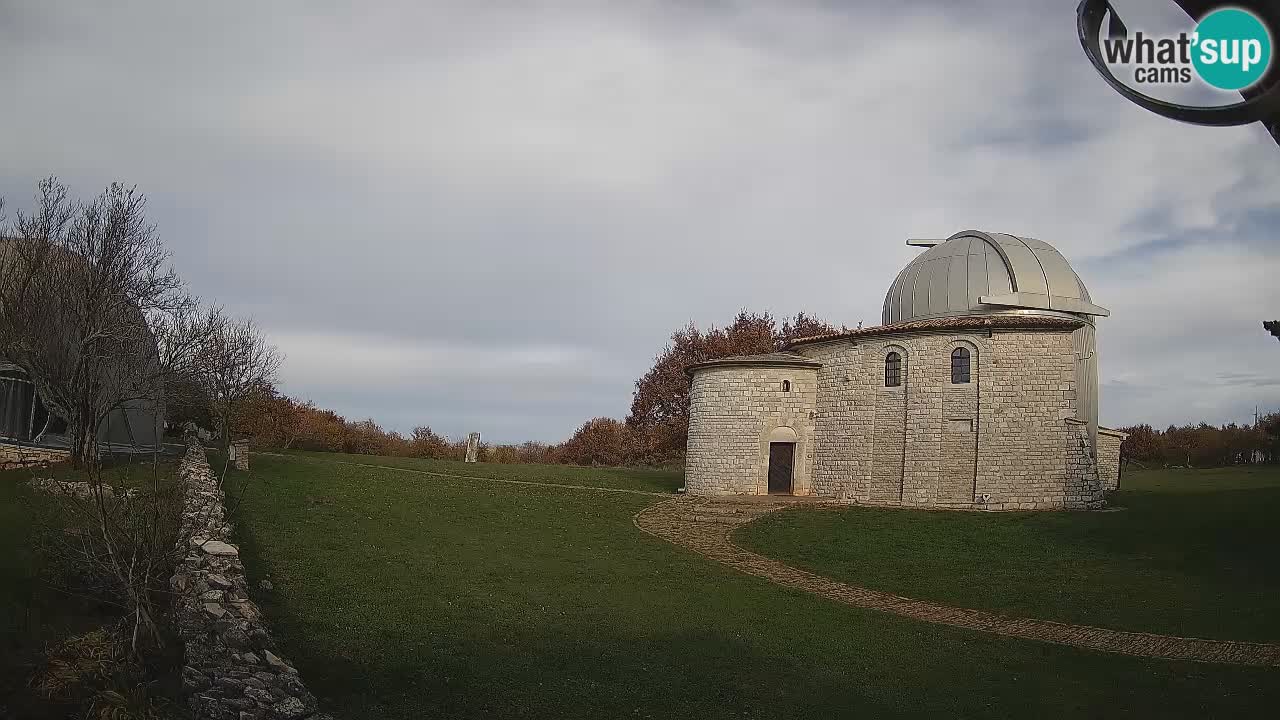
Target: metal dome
{"x":976,"y":273}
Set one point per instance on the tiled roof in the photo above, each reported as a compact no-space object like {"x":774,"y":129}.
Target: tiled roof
{"x":786,"y":359}
{"x":962,"y":322}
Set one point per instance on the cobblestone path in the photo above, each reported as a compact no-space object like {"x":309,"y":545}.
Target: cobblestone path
{"x":704,"y":526}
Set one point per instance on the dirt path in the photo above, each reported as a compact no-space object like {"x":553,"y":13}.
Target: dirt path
{"x":705,"y":526}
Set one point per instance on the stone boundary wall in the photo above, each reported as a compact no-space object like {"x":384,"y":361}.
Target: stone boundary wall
{"x":12,"y":456}
{"x":232,"y":669}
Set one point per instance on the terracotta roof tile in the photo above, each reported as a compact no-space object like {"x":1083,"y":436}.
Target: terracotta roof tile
{"x":963,"y":322}
{"x":786,"y":359}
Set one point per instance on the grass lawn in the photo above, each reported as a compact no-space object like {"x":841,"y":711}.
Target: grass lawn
{"x":647,"y":479}
{"x":406,"y":596}
{"x":1192,"y":552}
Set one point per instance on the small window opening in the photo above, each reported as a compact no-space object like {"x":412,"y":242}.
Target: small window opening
{"x":786,"y":386}
{"x":892,"y":370}
{"x":959,"y":366}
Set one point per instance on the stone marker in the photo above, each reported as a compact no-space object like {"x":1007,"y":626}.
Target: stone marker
{"x":473,"y":447}
{"x":239,"y":451}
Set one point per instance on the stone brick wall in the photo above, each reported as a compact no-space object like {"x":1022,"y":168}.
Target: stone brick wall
{"x":842,"y":460}
{"x":733,"y":411}
{"x":915,"y":444}
{"x":12,"y":456}
{"x":1006,"y":440}
{"x":240,"y":454}
{"x":1026,"y":442}
{"x":1109,"y":442}
{"x":1083,"y":485}
{"x":233,"y":670}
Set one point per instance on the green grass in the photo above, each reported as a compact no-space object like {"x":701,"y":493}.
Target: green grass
{"x":646,"y":479}
{"x":406,"y":596}
{"x":1192,"y":553}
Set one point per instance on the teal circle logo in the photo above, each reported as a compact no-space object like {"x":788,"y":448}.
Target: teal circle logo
{"x":1232,"y":49}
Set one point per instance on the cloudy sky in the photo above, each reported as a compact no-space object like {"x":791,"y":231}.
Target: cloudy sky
{"x":491,"y":216}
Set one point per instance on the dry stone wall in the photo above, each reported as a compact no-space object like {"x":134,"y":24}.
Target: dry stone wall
{"x":733,"y":411}
{"x":233,"y":670}
{"x":12,"y":456}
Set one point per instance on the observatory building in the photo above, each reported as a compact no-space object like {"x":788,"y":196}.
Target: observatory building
{"x":978,"y":391}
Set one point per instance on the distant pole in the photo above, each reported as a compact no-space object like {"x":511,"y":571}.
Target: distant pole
{"x":473,"y":446}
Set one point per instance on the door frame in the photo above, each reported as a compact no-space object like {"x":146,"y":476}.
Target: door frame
{"x":791,"y":481}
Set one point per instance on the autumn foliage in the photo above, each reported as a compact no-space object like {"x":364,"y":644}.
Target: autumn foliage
{"x":655,"y":431}
{"x":275,"y":421}
{"x":653,"y":434}
{"x":659,"y":415}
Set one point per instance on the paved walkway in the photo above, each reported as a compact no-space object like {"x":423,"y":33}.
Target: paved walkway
{"x":704,"y":526}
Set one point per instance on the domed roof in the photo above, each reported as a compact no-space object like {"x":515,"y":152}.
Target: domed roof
{"x":976,"y":273}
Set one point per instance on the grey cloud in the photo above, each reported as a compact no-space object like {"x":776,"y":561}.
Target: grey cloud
{"x":480,"y":182}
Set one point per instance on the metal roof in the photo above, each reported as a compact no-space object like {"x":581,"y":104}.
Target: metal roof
{"x":979,"y":273}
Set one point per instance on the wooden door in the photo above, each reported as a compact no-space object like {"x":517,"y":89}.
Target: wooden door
{"x":781,"y":461}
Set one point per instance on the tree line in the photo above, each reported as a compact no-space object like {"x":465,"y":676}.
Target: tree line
{"x":652,"y":434}
{"x":1204,"y":445}
{"x":655,"y":431}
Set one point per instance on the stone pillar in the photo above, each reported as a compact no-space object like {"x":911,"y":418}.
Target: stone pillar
{"x":240,"y":454}
{"x":473,"y":447}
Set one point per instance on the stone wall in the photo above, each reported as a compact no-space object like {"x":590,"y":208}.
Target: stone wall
{"x":915,"y":444}
{"x":240,"y":454}
{"x":233,"y":670}
{"x":842,"y":461}
{"x":733,"y":411}
{"x":1027,"y":444}
{"x":12,"y":456}
{"x":999,"y":442}
{"x":1109,"y":442}
{"x":1083,"y":485}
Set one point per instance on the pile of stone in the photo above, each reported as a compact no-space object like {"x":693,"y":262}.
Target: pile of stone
{"x":233,"y":670}
{"x":82,"y":490}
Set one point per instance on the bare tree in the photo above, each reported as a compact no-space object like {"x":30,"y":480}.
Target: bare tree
{"x":236,"y":363}
{"x":91,"y":310}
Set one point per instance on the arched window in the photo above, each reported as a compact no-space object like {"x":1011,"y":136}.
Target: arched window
{"x":959,"y":366}
{"x":786,"y":386}
{"x":892,"y":370}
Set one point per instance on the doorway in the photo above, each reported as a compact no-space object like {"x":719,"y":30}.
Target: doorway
{"x":781,"y":462}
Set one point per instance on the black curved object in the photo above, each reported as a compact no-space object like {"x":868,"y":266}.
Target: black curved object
{"x":1261,"y":102}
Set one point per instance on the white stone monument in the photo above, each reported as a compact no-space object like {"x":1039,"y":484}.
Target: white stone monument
{"x":473,"y":447}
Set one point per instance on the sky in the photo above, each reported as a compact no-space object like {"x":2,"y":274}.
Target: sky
{"x":491,"y":216}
